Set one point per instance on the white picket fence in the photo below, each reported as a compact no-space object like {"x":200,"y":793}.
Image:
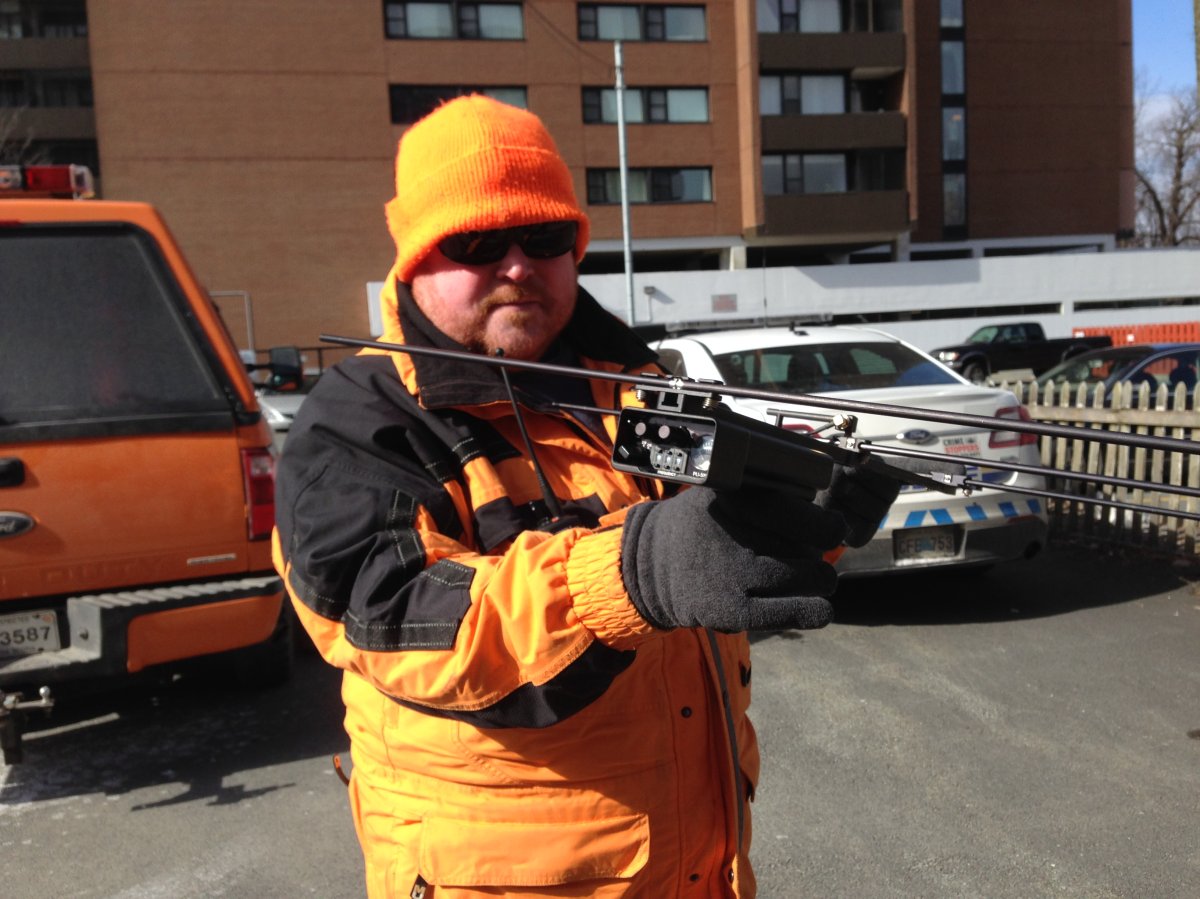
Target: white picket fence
{"x":1140,"y":410}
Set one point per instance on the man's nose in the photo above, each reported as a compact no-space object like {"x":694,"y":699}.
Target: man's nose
{"x":515,"y":265}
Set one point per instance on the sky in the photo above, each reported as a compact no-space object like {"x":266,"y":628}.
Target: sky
{"x":1164,"y":45}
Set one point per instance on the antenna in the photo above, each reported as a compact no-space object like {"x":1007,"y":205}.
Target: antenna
{"x":548,"y":496}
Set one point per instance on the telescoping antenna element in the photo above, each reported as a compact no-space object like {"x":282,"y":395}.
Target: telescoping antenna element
{"x":686,"y":436}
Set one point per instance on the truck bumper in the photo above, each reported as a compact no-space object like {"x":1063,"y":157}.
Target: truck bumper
{"x":111,"y":634}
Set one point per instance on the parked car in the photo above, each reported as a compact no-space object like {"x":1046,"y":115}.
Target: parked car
{"x":1152,"y":364}
{"x":925,"y":528}
{"x":1010,"y":346}
{"x":279,"y":409}
{"x":281,"y":387}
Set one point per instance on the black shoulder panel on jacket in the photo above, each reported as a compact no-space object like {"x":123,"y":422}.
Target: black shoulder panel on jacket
{"x":360,"y":418}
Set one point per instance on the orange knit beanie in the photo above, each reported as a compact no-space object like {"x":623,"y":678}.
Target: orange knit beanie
{"x":474,"y":164}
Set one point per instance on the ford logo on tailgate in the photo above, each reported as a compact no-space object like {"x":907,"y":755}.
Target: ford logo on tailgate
{"x":14,"y":523}
{"x":916,"y":435}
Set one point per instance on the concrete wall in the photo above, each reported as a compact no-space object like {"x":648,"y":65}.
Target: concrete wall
{"x":984,"y":287}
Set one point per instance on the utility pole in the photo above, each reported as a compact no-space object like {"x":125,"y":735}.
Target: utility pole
{"x":625,"y":238}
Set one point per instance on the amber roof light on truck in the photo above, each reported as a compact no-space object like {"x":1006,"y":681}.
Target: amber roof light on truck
{"x":52,"y":181}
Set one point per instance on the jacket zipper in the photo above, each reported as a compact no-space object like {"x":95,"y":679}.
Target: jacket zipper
{"x":731,"y":729}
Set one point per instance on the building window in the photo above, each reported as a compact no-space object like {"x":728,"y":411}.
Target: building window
{"x":33,"y":18}
{"x":454,"y":20}
{"x":46,"y":88}
{"x":878,"y":170}
{"x":874,"y":95}
{"x":954,"y":134}
{"x":802,"y":94}
{"x":804,"y":173}
{"x":606,"y":22}
{"x":13,"y":93}
{"x":952,"y":13}
{"x":805,"y":16}
{"x":954,"y":121}
{"x":657,"y":185}
{"x":65,"y":152}
{"x":954,"y":78}
{"x":875,"y":15}
{"x":954,"y":200}
{"x":410,"y":102}
{"x":646,"y":104}
{"x":10,"y":19}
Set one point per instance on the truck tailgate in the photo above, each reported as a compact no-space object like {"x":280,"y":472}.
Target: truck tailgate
{"x":107,"y":513}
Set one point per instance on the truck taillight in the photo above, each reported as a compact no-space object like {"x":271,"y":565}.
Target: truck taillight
{"x":258,"y":468}
{"x":1004,"y":439}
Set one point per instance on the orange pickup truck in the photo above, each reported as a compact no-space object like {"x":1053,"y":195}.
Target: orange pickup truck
{"x":137,"y":475}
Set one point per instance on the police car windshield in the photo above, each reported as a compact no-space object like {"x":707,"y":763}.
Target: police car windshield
{"x":829,"y":368}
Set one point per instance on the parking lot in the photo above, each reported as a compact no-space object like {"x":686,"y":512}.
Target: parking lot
{"x":1034,"y":731}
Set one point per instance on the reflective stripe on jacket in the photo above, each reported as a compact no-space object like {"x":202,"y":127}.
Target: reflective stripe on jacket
{"x":514,"y":723}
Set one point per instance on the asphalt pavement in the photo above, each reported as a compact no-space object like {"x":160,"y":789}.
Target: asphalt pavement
{"x":1031,"y":732}
{"x":1034,"y":731}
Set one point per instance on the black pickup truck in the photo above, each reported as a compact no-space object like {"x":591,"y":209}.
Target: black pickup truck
{"x":1021,"y":345}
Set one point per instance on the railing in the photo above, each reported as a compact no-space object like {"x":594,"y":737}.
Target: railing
{"x":1129,"y":409}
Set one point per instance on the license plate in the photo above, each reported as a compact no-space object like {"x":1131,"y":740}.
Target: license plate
{"x":28,"y":633}
{"x":919,"y":544}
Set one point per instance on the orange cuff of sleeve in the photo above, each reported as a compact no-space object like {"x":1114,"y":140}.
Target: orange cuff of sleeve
{"x":600,"y":600}
{"x":832,"y":555}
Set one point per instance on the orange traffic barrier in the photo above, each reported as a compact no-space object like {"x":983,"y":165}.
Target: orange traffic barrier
{"x":1166,"y":332}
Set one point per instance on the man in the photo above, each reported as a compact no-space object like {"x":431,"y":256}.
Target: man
{"x":546,"y":696}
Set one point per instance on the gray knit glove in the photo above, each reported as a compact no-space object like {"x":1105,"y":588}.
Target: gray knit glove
{"x":730,"y":561}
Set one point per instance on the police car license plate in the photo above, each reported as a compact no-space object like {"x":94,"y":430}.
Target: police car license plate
{"x":28,"y":633}
{"x":919,"y":544}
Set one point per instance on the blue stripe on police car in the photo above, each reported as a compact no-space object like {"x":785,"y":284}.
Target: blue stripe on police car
{"x":975,"y":512}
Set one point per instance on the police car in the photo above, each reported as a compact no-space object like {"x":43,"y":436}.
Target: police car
{"x":925,"y":528}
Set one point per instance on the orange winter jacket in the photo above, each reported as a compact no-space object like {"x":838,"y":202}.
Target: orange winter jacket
{"x":516,"y":728}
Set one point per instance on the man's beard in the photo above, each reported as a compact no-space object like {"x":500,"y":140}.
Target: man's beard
{"x":503,"y":296}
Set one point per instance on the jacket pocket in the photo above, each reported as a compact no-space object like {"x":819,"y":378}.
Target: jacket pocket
{"x":508,"y":854}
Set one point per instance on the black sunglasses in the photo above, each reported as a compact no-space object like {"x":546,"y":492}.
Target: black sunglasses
{"x":545,"y":240}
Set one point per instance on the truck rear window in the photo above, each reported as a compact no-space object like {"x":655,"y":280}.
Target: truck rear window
{"x":94,"y":329}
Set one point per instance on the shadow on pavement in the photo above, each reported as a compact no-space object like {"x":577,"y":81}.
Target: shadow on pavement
{"x":1060,"y":580}
{"x":180,"y":732}
{"x":201,"y":736}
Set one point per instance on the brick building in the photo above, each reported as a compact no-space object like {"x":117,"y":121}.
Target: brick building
{"x":787,"y":132}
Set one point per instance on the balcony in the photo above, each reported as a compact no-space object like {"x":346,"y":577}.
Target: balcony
{"x":46,"y":53}
{"x":852,"y":131}
{"x":873,"y":215}
{"x":862,"y":54}
{"x":59,"y":122}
